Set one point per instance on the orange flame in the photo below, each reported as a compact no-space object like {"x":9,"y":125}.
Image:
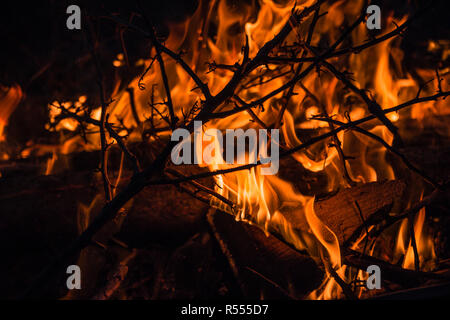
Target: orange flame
{"x":266,"y":200}
{"x":9,"y":99}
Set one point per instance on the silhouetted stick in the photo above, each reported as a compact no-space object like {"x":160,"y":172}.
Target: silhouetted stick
{"x":290,"y":92}
{"x":387,"y":146}
{"x":412,"y":236}
{"x":346,"y":289}
{"x":306,"y":144}
{"x":133,"y":106}
{"x":357,"y":49}
{"x":435,"y":196}
{"x":104,"y":106}
{"x":258,"y":61}
{"x":372,"y":105}
{"x":204,"y":189}
{"x":337,"y":142}
{"x":405,"y":277}
{"x":66,"y":114}
{"x":173,"y":118}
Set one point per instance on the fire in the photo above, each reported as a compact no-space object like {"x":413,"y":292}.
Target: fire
{"x":9,"y":99}
{"x":424,"y":244}
{"x":215,"y":35}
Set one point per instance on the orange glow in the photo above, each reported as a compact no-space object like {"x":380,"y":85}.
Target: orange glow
{"x":270,"y":202}
{"x":9,"y":99}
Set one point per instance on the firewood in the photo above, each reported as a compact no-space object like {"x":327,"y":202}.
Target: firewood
{"x":262,"y":264}
{"x":405,"y":277}
{"x":341,"y":213}
{"x":52,"y":201}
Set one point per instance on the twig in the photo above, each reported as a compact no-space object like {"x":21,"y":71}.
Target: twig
{"x":203,"y":87}
{"x":299,"y":68}
{"x":387,"y":146}
{"x":306,"y":144}
{"x":391,"y":272}
{"x":346,"y":289}
{"x":337,"y":142}
{"x":133,"y":106}
{"x":204,"y":189}
{"x":173,"y":118}
{"x":317,"y":60}
{"x":67,"y":114}
{"x":412,"y":236}
{"x":103,"y":142}
{"x":433,"y":197}
{"x":372,"y":105}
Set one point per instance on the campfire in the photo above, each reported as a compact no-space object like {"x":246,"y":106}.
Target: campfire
{"x":314,"y":163}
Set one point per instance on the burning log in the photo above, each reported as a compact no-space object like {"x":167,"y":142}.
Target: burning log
{"x":150,"y":219}
{"x":347,"y":213}
{"x":405,"y":277}
{"x":263,"y":265}
{"x":351,"y":210}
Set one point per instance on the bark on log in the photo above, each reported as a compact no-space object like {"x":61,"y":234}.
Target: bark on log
{"x":341,"y":214}
{"x":263,"y":265}
{"x":38,"y":218}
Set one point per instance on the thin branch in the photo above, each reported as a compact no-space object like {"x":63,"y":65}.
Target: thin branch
{"x":290,"y":92}
{"x":204,"y":189}
{"x":119,"y":139}
{"x":133,"y":106}
{"x":372,"y":105}
{"x":295,"y":79}
{"x":337,"y":142}
{"x":173,"y":118}
{"x":346,"y":289}
{"x":177,"y":57}
{"x":433,"y":197}
{"x":104,"y":106}
{"x":306,"y":144}
{"x":412,"y":236}
{"x":387,"y":146}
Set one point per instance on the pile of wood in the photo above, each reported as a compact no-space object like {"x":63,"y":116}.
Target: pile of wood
{"x":175,"y":249}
